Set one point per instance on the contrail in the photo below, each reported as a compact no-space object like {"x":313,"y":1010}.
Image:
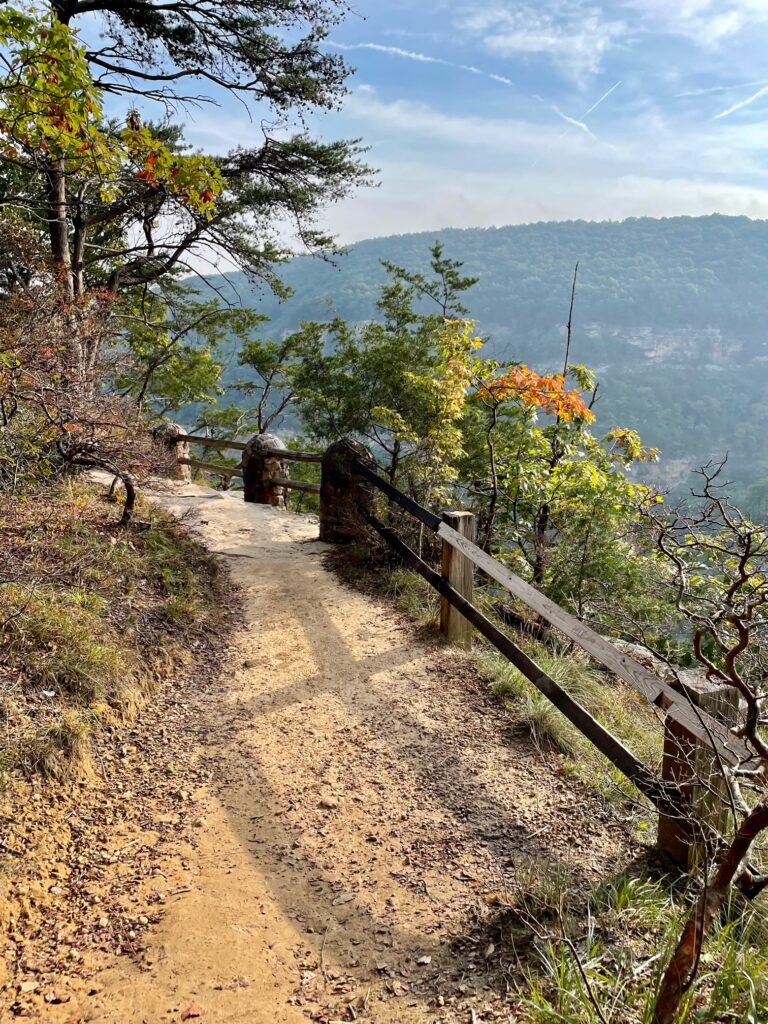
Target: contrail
{"x":720,"y":88}
{"x":604,"y":97}
{"x":742,"y":103}
{"x":423,"y":58}
{"x":581,"y":125}
{"x":576,"y":124}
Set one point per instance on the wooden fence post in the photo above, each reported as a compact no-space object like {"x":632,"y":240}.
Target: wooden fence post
{"x":694,"y":767}
{"x":458,"y":570}
{"x":259,"y":467}
{"x":172,"y":452}
{"x":345,"y":496}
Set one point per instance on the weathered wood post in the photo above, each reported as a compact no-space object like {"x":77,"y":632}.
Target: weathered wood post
{"x":345,"y":496}
{"x":172,"y":451}
{"x":695,"y":768}
{"x":260,"y":467}
{"x":458,"y":570}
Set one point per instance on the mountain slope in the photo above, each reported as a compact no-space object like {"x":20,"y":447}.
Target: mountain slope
{"x":672,"y":313}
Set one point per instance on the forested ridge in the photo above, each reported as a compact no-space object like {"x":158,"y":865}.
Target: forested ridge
{"x":671,"y":313}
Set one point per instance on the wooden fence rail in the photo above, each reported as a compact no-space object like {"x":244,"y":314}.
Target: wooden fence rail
{"x":212,"y":467}
{"x":295,"y":485}
{"x":212,"y":442}
{"x":262,"y":469}
{"x":705,"y":728}
{"x":667,"y":797}
{"x":240,"y":446}
{"x":697,"y":722}
{"x":691,"y":803}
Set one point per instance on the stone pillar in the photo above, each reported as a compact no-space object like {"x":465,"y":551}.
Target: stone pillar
{"x":259,"y":468}
{"x":346,"y":497}
{"x":171,"y":451}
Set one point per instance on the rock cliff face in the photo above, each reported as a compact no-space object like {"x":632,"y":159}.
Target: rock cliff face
{"x":706,"y":345}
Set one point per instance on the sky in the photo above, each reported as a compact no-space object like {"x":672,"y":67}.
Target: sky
{"x":492,"y":112}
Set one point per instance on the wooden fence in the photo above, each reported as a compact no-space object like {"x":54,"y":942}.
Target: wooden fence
{"x":698,"y":742}
{"x":262,"y":469}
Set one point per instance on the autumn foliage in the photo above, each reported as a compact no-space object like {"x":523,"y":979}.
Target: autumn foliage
{"x":540,"y":391}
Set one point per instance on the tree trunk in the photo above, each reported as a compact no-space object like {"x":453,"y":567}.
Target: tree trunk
{"x":58,"y":227}
{"x":78,"y":257}
{"x":681,"y":969}
{"x":540,"y":526}
{"x":491,"y":514}
{"x":394,"y":465}
{"x":130,"y":499}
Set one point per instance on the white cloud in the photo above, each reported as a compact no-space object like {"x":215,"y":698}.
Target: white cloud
{"x":706,"y":22}
{"x":577,"y":36}
{"x":407,"y":125}
{"x":414,"y":199}
{"x":647,"y":146}
{"x":575,"y":39}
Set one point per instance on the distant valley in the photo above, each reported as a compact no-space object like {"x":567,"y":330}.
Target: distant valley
{"x":671,"y":313}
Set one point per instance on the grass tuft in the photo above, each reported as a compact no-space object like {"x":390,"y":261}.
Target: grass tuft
{"x":610,"y":701}
{"x":413,"y":596}
{"x":59,"y":749}
{"x":600,"y":960}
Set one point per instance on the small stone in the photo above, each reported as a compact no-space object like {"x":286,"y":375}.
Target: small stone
{"x":329,"y":803}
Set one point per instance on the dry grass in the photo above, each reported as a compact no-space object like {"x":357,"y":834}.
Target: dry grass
{"x":91,"y":618}
{"x":621,"y":710}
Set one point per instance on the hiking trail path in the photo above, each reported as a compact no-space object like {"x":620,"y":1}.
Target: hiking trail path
{"x":353,"y":798}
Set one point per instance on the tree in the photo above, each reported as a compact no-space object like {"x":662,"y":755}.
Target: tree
{"x":398,"y":383}
{"x":122,"y":204}
{"x":275,"y":366}
{"x":171,"y":343}
{"x":52,"y":419}
{"x":81,"y":172}
{"x":717,"y":572}
{"x":552,"y":497}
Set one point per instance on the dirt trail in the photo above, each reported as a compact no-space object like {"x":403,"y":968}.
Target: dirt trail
{"x":356,"y":798}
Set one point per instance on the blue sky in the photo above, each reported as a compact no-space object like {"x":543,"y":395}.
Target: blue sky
{"x":496,"y":111}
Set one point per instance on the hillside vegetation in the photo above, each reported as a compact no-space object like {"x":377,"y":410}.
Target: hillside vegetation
{"x":91,"y":619}
{"x":671,"y":313}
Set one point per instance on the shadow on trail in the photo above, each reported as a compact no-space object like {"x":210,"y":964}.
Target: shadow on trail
{"x":447,"y":743}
